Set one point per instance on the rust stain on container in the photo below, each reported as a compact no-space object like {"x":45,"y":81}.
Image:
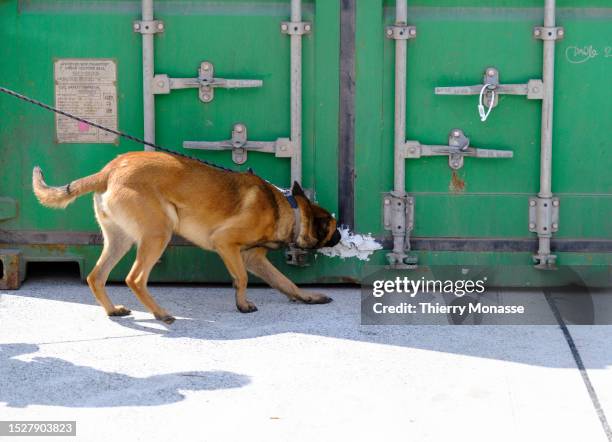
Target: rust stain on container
{"x":9,"y":277}
{"x":457,"y":184}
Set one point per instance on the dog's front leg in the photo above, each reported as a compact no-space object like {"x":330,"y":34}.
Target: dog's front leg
{"x":235,"y":266}
{"x":258,"y":264}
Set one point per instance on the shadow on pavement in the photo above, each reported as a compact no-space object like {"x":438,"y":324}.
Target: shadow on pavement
{"x":54,"y":381}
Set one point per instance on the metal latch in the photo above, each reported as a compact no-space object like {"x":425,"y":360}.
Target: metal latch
{"x":490,"y":89}
{"x":398,"y":217}
{"x":398,"y":213}
{"x":544,"y":220}
{"x":296,"y":257}
{"x":239,"y":145}
{"x":543,"y":215}
{"x":458,"y":147}
{"x":206,"y":82}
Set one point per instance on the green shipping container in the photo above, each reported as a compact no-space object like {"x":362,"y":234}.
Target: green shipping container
{"x":342,"y":95}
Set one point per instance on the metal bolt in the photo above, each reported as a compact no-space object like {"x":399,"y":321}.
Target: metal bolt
{"x":410,"y":202}
{"x":387,"y":202}
{"x":537,"y":32}
{"x":389,"y":31}
{"x":283,"y":147}
{"x":556,"y":203}
{"x":560,"y":32}
{"x":160,"y":26}
{"x":555,"y":226}
{"x":536,"y":90}
{"x":284,"y":27}
{"x":206,"y":97}
{"x":531,"y":225}
{"x":412,"y":31}
{"x":412,"y":150}
{"x":490,"y":72}
{"x":206,"y":66}
{"x":137,"y":26}
{"x":239,"y":128}
{"x":456,"y":133}
{"x":307,"y":28}
{"x":160,"y":83}
{"x":532,"y":203}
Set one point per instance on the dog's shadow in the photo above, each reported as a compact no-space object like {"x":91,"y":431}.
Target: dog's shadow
{"x":54,"y":381}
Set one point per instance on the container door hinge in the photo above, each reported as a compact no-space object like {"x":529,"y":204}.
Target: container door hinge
{"x":457,"y":149}
{"x":398,"y":217}
{"x":205,"y":82}
{"x":544,"y":220}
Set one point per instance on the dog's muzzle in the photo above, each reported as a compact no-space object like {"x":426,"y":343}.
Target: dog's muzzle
{"x":335,"y":239}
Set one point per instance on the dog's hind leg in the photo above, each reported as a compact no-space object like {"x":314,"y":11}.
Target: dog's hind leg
{"x":116,"y":245}
{"x":150,"y":248}
{"x":258,"y":264}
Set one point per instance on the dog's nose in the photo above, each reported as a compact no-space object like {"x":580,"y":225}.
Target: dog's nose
{"x":335,"y":239}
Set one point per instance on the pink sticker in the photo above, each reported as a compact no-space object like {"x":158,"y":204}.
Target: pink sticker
{"x":83,"y":127}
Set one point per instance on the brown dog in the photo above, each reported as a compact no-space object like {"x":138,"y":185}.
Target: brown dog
{"x":143,"y":197}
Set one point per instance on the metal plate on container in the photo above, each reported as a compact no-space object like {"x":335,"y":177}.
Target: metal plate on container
{"x":86,"y":87}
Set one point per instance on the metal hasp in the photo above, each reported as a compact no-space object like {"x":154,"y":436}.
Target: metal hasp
{"x":534,"y":89}
{"x":397,"y":217}
{"x":205,"y":82}
{"x":458,"y":148}
{"x":547,"y":206}
{"x":239,"y":145}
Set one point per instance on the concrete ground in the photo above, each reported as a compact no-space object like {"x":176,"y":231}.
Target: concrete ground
{"x":289,"y":372}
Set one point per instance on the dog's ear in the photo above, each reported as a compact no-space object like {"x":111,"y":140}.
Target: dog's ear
{"x":296,"y":190}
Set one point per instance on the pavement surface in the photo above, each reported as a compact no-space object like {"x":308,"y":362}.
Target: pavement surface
{"x":290,"y":372}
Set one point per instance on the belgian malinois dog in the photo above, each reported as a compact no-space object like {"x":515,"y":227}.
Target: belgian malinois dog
{"x":143,"y":198}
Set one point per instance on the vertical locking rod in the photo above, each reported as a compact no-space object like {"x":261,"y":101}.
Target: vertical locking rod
{"x":548,"y":77}
{"x":401,"y":241}
{"x":296,"y":94}
{"x":148,"y":71}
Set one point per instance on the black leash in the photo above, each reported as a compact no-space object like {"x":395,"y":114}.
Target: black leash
{"x":286,"y":192}
{"x":112,"y":131}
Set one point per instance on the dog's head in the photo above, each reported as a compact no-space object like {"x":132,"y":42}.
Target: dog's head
{"x":318,"y":226}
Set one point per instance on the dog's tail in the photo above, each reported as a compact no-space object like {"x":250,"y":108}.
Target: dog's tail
{"x":60,"y":197}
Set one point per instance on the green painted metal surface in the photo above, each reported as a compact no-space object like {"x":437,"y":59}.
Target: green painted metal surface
{"x":456,"y":41}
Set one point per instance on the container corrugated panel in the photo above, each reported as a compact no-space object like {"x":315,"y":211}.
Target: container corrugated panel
{"x":477,"y":214}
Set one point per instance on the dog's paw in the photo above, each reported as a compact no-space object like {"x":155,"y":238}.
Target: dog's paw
{"x":249,"y":307}
{"x":119,"y":310}
{"x":166,"y":318}
{"x":315,"y":298}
